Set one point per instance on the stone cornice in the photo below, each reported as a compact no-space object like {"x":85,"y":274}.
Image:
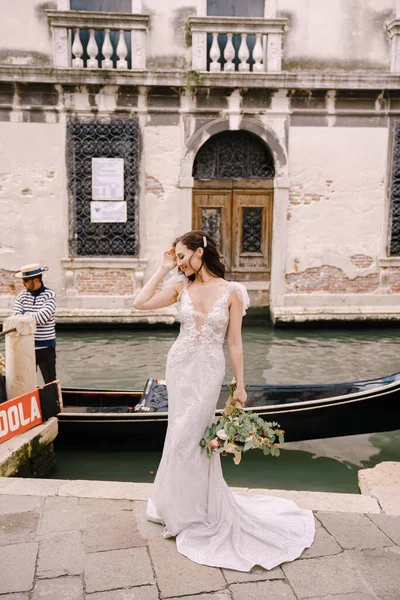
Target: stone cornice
{"x":236,"y":25}
{"x":97,"y":20}
{"x":178,"y":78}
{"x":393,"y":28}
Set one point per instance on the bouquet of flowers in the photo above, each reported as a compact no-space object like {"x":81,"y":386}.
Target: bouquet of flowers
{"x":237,"y":431}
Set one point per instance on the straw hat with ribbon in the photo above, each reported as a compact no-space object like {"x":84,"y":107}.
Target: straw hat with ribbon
{"x":32,"y":270}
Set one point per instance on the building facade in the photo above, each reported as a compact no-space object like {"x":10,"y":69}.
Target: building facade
{"x":272,"y":124}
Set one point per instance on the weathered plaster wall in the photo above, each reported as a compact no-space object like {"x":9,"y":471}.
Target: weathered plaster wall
{"x":163,"y":207}
{"x":336,"y":216}
{"x":168,"y":45}
{"x":25,"y":36}
{"x":33,"y":205}
{"x":336,"y":34}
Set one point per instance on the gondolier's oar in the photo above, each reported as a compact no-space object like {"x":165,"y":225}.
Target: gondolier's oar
{"x":8,"y":331}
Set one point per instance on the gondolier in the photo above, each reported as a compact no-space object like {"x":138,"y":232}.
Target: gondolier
{"x":39,"y":302}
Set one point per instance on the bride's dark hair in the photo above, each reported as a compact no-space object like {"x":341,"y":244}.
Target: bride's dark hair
{"x":193,"y":240}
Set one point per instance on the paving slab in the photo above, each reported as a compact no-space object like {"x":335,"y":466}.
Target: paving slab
{"x":223,"y":595}
{"x":177,"y":575}
{"x":323,"y":545}
{"x":354,"y":530}
{"x":60,"y":554}
{"x":19,"y":527}
{"x":60,"y":514}
{"x":256,"y":574}
{"x":111,"y":532}
{"x":325,"y":501}
{"x":276,"y":590}
{"x":380,"y":569}
{"x":104,"y":505}
{"x":10,"y":504}
{"x":101,"y":489}
{"x":355,"y":596}
{"x":67,"y":588}
{"x":17,"y":567}
{"x":16,"y":596}
{"x":323,"y":576}
{"x":389,"y":524}
{"x":146,"y":528}
{"x":29,"y":487}
{"x":144,"y":592}
{"x":117,"y":569}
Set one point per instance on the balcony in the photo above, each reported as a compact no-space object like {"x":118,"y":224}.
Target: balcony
{"x":98,"y":40}
{"x":228,"y":44}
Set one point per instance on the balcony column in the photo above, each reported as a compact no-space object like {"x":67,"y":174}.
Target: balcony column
{"x":138,"y":49}
{"x":137,"y":7}
{"x":393,"y":29}
{"x":199,"y":51}
{"x":61,"y":47}
{"x":270,"y":9}
{"x":274,"y":52}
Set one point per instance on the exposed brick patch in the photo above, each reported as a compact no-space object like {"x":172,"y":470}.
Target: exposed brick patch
{"x":9,"y":284}
{"x":155,"y":187}
{"x":329,"y":280}
{"x":299,"y":197}
{"x":394,"y":280}
{"x":361,"y":261}
{"x":102,"y":282}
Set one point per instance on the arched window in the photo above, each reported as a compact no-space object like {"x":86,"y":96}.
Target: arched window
{"x":234,"y":155}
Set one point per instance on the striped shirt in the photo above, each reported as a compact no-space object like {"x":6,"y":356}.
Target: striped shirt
{"x":41,"y":305}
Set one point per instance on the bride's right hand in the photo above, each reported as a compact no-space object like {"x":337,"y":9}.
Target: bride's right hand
{"x":169,"y":259}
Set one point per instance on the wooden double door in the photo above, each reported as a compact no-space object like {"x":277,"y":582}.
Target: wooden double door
{"x":239,"y":218}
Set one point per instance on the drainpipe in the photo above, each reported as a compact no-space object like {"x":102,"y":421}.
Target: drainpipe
{"x":20,"y":355}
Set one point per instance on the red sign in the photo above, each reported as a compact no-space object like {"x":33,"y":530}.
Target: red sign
{"x":19,"y":414}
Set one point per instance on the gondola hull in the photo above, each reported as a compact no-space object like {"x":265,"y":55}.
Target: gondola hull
{"x":106,"y":418}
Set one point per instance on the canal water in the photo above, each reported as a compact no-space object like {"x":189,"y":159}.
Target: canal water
{"x":125,"y":358}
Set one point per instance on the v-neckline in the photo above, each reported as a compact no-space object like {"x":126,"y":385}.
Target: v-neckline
{"x":197,"y":312}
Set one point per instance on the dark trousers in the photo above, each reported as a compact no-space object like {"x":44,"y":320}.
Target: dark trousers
{"x":46,"y":361}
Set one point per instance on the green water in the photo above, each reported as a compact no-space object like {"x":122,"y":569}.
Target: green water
{"x":124,"y":359}
{"x":302,"y":466}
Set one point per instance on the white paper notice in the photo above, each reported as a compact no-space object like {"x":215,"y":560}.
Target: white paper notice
{"x":107,"y":178}
{"x":108,"y":212}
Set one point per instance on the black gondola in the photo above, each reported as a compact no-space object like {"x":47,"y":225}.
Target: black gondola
{"x":106,"y":418}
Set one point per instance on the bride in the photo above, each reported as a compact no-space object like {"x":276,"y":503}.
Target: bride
{"x":213,"y":525}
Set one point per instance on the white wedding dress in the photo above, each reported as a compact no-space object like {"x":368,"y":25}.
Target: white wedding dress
{"x":213,"y":525}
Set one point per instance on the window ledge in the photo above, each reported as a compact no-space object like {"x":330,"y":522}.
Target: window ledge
{"x":106,"y":262}
{"x":389,"y":261}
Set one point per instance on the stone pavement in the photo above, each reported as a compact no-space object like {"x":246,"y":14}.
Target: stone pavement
{"x":75,"y":540}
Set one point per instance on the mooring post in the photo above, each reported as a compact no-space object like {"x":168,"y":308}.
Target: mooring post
{"x":20,"y":355}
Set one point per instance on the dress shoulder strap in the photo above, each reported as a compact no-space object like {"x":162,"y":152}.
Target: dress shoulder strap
{"x":241,"y":291}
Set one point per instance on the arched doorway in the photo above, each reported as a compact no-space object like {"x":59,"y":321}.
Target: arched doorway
{"x":233,"y":200}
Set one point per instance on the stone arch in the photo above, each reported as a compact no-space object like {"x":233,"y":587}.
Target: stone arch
{"x":263,"y":132}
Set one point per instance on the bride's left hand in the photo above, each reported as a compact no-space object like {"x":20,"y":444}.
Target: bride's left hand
{"x":240,"y":395}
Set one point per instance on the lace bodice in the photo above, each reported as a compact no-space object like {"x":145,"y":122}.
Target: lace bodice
{"x":211,"y":327}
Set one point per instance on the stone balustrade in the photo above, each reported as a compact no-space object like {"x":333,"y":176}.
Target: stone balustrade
{"x":241,"y":44}
{"x":92,"y":40}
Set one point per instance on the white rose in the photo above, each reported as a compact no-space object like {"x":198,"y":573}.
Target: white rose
{"x":222,"y":435}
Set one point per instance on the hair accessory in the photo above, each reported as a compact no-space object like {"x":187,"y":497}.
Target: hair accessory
{"x":204,"y":241}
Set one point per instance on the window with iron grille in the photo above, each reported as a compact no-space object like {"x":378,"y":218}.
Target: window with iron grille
{"x":106,"y":137}
{"x":395,"y":192}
